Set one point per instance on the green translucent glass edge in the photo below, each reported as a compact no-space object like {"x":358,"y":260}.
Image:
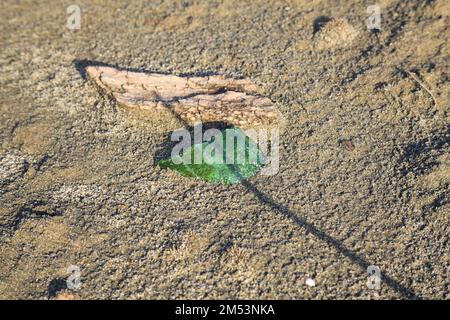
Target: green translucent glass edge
{"x":222,"y":173}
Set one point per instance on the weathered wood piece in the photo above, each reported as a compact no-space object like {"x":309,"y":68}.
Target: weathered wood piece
{"x":192,"y":99}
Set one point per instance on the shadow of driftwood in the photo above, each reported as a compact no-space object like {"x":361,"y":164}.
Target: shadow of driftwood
{"x":165,"y":147}
{"x":81,"y":66}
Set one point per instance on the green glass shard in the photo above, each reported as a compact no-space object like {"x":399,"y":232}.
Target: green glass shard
{"x":228,"y":158}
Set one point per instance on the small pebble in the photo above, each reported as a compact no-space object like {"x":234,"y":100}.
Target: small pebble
{"x":310,"y":282}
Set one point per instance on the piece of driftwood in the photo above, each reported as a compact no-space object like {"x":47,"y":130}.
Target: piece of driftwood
{"x":192,"y":99}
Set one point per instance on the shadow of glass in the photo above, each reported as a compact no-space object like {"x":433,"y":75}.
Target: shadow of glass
{"x":323,"y":236}
{"x":164,"y":151}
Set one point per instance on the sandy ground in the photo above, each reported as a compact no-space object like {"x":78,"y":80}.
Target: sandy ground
{"x":364,"y":166}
